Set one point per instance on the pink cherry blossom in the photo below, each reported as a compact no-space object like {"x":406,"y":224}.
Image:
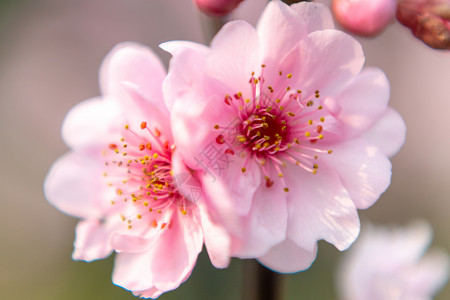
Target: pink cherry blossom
{"x":363,"y":17}
{"x":289,"y":135}
{"x":126,"y":182}
{"x":217,"y":7}
{"x":391,"y":264}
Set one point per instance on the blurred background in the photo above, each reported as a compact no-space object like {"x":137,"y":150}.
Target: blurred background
{"x":50,"y":52}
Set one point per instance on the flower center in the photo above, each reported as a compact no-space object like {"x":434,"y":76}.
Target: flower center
{"x":276,"y":125}
{"x":140,"y":171}
{"x":264,"y":131}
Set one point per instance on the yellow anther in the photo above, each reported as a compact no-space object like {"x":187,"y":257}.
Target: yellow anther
{"x":330,"y":151}
{"x":243,"y":170}
{"x":280,"y":175}
{"x":322,"y":119}
{"x":320,"y":136}
{"x":320,"y":107}
{"x":310,"y":122}
{"x":289,"y":75}
{"x":155,"y":155}
{"x":184,"y":212}
{"x":216,"y":126}
{"x":139,"y":216}
{"x":266,"y":137}
{"x":315,"y":166}
{"x":281,"y":107}
{"x":145,"y":203}
{"x":314,"y":172}
{"x":127,"y":127}
{"x":307,"y":134}
{"x":286,"y":189}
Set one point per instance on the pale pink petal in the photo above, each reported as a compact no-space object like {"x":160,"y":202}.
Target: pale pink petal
{"x":279,"y":29}
{"x":134,"y":243}
{"x":320,"y":208}
{"x":217,"y":240}
{"x":133,"y":272}
{"x":388,"y":133}
{"x":193,"y":128}
{"x":315,"y":15}
{"x":233,"y":186}
{"x":327,"y":60}
{"x":92,"y":241}
{"x":175,"y":254}
{"x":74,"y":185}
{"x":90,"y":122}
{"x":265,"y":226}
{"x":364,"y":171}
{"x":150,"y":293}
{"x":135,"y":63}
{"x":363,"y":101}
{"x":287,"y":257}
{"x":235,"y":55}
{"x":186,"y":71}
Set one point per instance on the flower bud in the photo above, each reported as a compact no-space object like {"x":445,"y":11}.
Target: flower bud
{"x":217,"y":7}
{"x":429,"y":21}
{"x":364,"y":17}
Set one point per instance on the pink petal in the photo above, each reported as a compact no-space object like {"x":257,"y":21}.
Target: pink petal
{"x":265,"y":226}
{"x":91,"y":241}
{"x":133,"y":272}
{"x":192,"y":120}
{"x":74,"y":185}
{"x":150,"y":293}
{"x":132,"y":243}
{"x":132,"y":62}
{"x":235,"y":54}
{"x":287,"y":257}
{"x":363,"y":101}
{"x":91,"y":121}
{"x":186,"y":71}
{"x":279,"y":29}
{"x":388,"y":133}
{"x":364,"y":171}
{"x":176,"y":252}
{"x":315,"y":15}
{"x":327,"y":60}
{"x":217,"y":240}
{"x":319,"y":208}
{"x":233,"y":186}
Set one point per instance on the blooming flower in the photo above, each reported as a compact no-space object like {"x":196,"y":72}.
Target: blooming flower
{"x":390,"y":264}
{"x":124,"y":178}
{"x":366,"y":18}
{"x":288,"y":134}
{"x":429,"y":21}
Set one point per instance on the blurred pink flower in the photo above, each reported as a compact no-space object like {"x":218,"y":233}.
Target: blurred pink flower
{"x":291,"y":135}
{"x":429,"y":21}
{"x":217,"y":7}
{"x":390,"y":264}
{"x":363,"y":17}
{"x":125,"y":180}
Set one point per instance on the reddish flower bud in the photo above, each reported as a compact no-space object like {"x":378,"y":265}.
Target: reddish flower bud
{"x":429,"y":21}
{"x":217,"y":7}
{"x":364,"y":17}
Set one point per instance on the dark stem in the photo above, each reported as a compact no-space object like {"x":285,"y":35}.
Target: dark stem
{"x":261,"y":283}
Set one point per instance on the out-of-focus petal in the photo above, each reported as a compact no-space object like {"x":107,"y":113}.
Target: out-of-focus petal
{"x":92,"y":121}
{"x":92,"y":241}
{"x":287,"y":257}
{"x":87,"y":197}
{"x":389,"y":133}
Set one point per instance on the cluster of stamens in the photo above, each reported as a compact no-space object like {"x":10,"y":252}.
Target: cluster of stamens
{"x":277,"y":125}
{"x":140,"y":172}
